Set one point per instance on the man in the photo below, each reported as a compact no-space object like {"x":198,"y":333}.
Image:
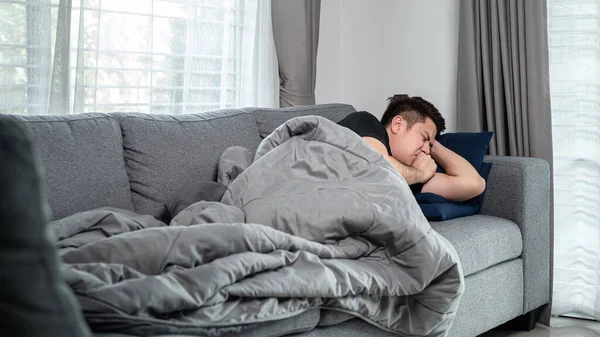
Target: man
{"x":405,"y":136}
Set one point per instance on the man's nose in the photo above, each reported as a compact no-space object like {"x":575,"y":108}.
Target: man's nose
{"x":425,"y":148}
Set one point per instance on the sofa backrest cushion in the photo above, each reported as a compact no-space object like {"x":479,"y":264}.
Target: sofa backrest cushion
{"x":82,"y":161}
{"x":269,"y":119}
{"x":164,"y":153}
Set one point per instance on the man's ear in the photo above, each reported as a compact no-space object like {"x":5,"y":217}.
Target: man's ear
{"x":397,"y":123}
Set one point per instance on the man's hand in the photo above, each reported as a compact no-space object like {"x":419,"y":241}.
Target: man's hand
{"x":426,"y":167}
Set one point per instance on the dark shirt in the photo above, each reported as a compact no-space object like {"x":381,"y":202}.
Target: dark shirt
{"x":366,"y":125}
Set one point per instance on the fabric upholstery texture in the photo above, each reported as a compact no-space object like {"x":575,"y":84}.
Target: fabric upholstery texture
{"x":436,"y":208}
{"x":492,"y":297}
{"x":34,"y":299}
{"x":481,"y":240}
{"x":269,"y":119}
{"x":165,"y":153}
{"x":519,"y":190}
{"x":82,"y":161}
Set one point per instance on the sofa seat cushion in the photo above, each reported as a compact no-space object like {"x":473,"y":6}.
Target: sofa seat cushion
{"x":481,"y":241}
{"x":164,"y":153}
{"x":82,"y":161}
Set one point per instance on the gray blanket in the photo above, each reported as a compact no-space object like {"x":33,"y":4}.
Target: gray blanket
{"x":317,"y":221}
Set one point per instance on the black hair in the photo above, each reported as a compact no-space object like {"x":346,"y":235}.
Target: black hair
{"x":413,"y":110}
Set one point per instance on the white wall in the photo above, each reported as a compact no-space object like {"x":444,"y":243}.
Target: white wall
{"x":370,"y":50}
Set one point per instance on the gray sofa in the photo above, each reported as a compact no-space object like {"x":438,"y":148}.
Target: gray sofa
{"x":138,"y":162}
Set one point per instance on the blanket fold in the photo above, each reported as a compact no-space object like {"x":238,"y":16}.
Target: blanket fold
{"x":317,"y":221}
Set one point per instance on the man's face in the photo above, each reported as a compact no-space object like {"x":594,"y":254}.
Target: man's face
{"x":406,"y":143}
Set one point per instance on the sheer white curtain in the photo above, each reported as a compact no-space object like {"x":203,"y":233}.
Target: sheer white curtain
{"x":155,"y":56}
{"x":574,"y":42}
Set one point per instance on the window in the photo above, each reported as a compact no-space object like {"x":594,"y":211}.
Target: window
{"x":574,"y":52}
{"x":154,"y":56}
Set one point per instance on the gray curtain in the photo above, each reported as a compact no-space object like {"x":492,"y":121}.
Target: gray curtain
{"x":503,"y":83}
{"x":296,"y":34}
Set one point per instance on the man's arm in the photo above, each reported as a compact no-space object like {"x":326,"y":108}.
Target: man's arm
{"x":461,"y":181}
{"x":411,"y":174}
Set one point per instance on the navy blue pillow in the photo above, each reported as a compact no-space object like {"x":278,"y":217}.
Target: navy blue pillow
{"x":470,"y":145}
{"x":437,"y":208}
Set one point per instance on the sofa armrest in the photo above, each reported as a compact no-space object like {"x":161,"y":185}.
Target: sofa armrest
{"x":518,"y":189}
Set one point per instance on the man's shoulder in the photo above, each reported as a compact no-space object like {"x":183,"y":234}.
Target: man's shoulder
{"x":361,"y":117}
{"x":365,"y":124}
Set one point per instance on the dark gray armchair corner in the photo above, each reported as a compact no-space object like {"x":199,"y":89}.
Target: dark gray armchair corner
{"x":34,"y":300}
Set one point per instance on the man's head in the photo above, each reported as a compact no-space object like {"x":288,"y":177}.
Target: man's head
{"x":412,"y":124}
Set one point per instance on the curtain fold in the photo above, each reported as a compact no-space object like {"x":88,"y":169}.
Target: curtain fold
{"x":296,"y":33}
{"x":259,"y":79}
{"x":60,"y":92}
{"x":39,"y":35}
{"x":503,"y":80}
